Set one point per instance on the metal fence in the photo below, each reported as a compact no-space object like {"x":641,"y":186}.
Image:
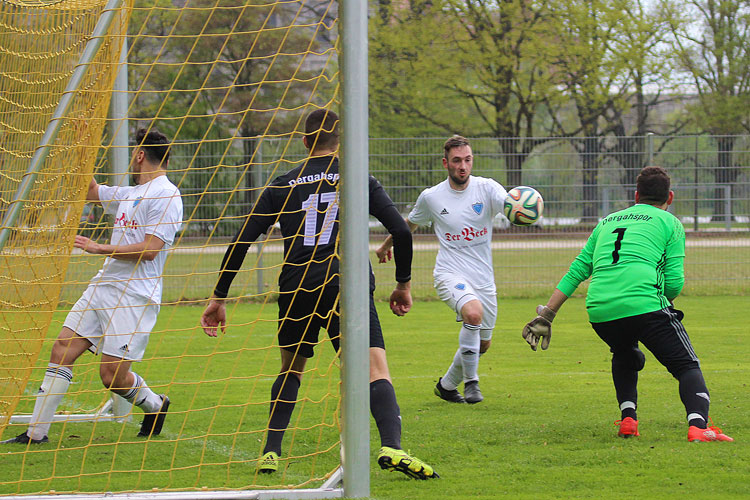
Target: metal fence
{"x":709,"y":195}
{"x":710,"y":176}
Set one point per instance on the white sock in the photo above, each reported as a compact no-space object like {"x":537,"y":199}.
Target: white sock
{"x":468,"y":344}
{"x":455,"y":373}
{"x":142,"y":396}
{"x":54,"y":386}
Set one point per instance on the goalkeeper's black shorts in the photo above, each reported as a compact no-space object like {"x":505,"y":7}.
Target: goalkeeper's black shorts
{"x":661,"y":332}
{"x":302,"y":314}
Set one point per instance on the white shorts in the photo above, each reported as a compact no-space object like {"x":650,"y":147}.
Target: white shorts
{"x":455,"y":291}
{"x":116,"y":323}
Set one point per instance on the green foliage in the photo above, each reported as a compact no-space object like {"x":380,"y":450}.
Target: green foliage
{"x":716,"y":63}
{"x":413,"y":65}
{"x":219,"y":69}
{"x":521,"y":70}
{"x":478,"y":57}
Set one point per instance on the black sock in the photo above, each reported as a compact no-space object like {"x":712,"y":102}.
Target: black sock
{"x":697,"y":422}
{"x":628,"y":412}
{"x":694,"y":396}
{"x":626,"y":383}
{"x":386,"y":412}
{"x":283,"y":397}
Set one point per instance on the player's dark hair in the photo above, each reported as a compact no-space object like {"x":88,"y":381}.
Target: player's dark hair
{"x":322,"y":129}
{"x":154,"y":144}
{"x":653,"y":185}
{"x":454,"y":142}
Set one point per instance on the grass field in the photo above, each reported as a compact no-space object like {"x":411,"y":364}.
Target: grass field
{"x":544,"y":430}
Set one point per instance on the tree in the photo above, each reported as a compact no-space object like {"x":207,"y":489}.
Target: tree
{"x":229,"y":68}
{"x":711,"y":41}
{"x":651,"y":86}
{"x":605,"y":59}
{"x":480,"y":56}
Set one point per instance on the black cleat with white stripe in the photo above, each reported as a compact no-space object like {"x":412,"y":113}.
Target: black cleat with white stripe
{"x":451,"y":396}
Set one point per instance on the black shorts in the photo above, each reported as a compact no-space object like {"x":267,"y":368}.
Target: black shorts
{"x":302,"y":314}
{"x":661,"y":332}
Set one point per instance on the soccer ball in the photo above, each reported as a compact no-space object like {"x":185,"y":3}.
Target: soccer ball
{"x":523,"y":205}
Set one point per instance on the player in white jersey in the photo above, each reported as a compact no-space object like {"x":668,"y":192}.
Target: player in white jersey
{"x":461,"y":210}
{"x":118,"y":309}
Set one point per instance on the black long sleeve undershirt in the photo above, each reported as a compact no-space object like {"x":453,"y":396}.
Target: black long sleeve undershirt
{"x":235,"y":254}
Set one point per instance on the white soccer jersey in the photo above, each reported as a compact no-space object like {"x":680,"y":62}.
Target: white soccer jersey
{"x":151,"y":208}
{"x":462,"y":221}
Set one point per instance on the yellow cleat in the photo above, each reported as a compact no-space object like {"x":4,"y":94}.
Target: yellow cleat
{"x":269,"y":463}
{"x":393,"y":459}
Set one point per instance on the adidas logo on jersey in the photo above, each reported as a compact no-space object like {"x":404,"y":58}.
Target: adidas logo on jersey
{"x":444,"y":212}
{"x":125,"y":348}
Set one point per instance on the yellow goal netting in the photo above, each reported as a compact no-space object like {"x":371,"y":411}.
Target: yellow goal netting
{"x":230,"y":84}
{"x":39,"y":50}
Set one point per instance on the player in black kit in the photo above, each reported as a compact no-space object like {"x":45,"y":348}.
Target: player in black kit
{"x":304,"y":201}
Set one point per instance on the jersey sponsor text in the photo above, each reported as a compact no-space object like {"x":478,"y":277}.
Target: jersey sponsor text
{"x":467,"y":234}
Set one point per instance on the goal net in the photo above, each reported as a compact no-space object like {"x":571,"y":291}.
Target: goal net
{"x":230,"y":84}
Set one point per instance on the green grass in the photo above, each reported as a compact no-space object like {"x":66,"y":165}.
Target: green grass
{"x":544,"y":430}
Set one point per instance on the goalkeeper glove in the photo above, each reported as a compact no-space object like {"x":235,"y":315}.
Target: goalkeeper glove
{"x":539,"y":328}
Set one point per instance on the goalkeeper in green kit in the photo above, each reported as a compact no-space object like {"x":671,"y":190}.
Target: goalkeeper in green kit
{"x":634,"y":258}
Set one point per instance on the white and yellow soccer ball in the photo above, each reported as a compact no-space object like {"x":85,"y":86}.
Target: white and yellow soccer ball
{"x":523,"y":206}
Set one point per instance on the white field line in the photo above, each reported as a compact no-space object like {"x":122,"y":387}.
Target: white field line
{"x":496,"y":245}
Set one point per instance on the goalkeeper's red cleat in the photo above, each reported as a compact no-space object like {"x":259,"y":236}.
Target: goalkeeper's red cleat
{"x":628,"y":427}
{"x":696,"y":434}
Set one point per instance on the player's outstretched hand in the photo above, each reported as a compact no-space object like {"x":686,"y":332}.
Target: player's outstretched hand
{"x":400,"y":300}
{"x":539,"y":328}
{"x":214,"y":317}
{"x":384,"y":255}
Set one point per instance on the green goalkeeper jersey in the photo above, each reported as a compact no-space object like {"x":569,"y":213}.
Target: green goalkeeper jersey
{"x":635,"y":260}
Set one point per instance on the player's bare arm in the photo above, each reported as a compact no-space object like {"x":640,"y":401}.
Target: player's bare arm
{"x":384,"y":252}
{"x":147,"y":249}
{"x":92,"y":195}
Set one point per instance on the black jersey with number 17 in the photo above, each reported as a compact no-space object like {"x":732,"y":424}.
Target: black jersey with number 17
{"x":305,"y":203}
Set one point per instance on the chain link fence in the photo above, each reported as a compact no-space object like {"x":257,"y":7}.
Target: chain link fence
{"x":710,"y":177}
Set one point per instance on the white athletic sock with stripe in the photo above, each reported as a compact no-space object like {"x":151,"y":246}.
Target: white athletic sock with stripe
{"x":142,"y":396}
{"x":455,"y":373}
{"x":468,"y":343}
{"x":54,"y":386}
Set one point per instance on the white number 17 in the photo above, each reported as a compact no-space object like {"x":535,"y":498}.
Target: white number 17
{"x":310,"y":205}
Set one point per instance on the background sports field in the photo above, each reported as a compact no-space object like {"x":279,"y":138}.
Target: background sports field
{"x":544,"y":430}
{"x":527,"y":266}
